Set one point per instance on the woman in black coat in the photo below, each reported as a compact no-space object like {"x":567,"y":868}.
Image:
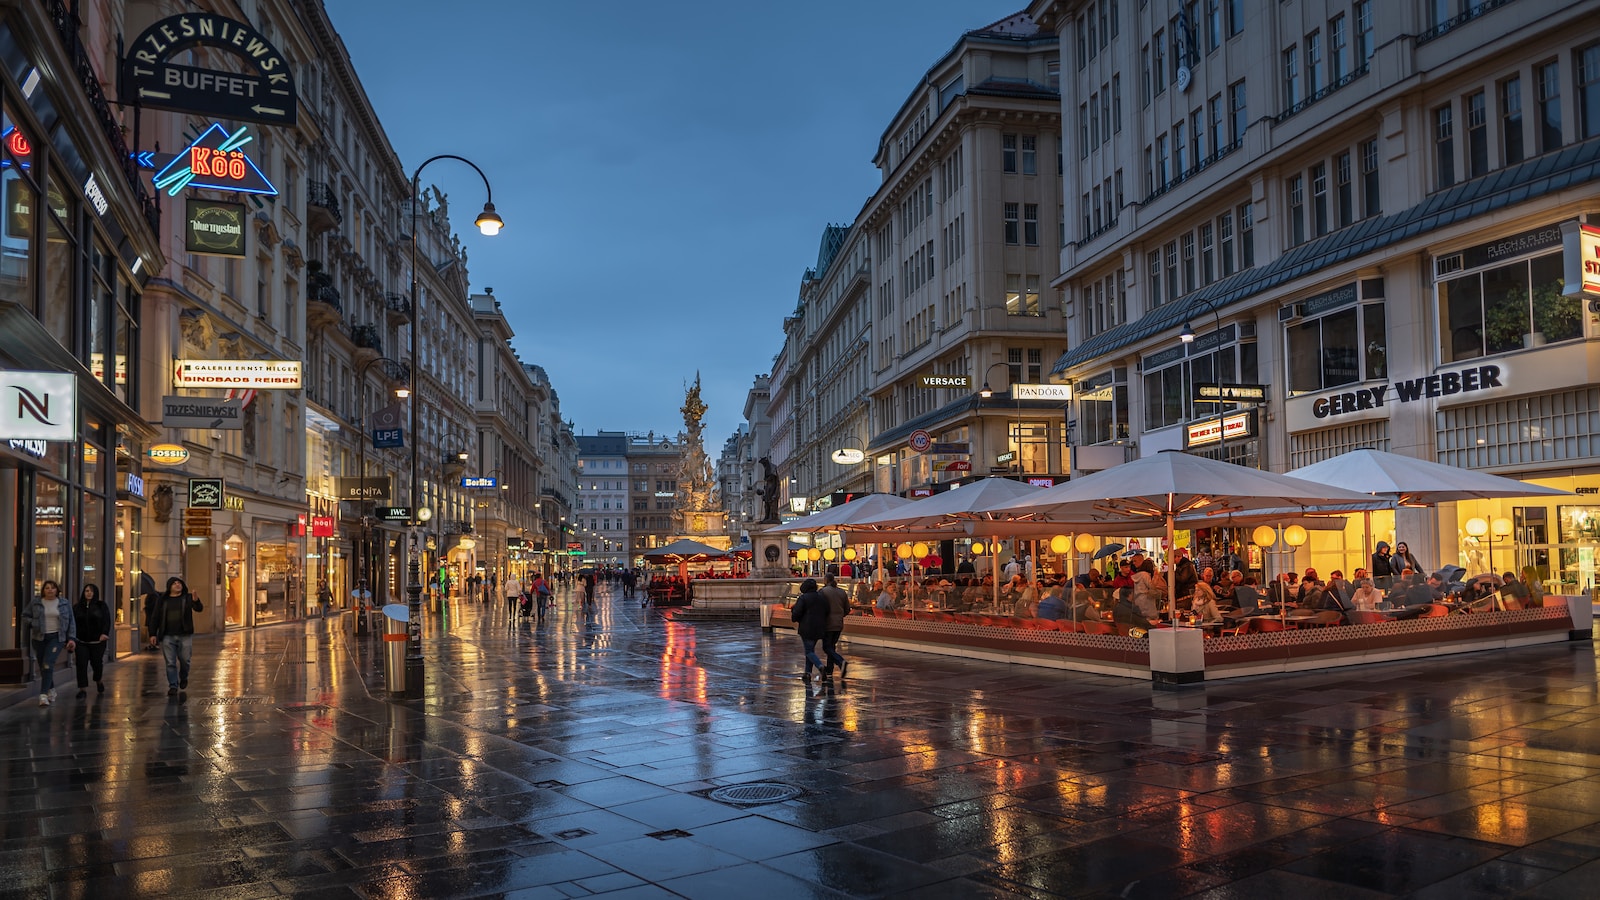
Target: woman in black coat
{"x":810,"y":615}
{"x":94,"y":631}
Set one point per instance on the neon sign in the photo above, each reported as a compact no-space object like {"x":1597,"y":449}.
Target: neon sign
{"x":215,"y":161}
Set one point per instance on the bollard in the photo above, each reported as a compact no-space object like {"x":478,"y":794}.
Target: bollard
{"x":766,"y":617}
{"x":396,"y":617}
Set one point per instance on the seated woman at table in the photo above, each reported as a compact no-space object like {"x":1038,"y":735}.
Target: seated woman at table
{"x":888,"y":596}
{"x":1366,"y":596}
{"x":1530,"y":580}
{"x":1027,"y":599}
{"x":1205,"y":599}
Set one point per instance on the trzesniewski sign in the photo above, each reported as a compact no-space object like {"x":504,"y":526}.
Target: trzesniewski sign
{"x":215,"y":227}
{"x":255,"y":374}
{"x":200,"y":412}
{"x":264,"y":94}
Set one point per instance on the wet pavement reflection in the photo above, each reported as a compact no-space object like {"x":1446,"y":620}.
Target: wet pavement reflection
{"x":583,"y":755}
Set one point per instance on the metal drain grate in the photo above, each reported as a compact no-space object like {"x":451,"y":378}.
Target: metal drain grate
{"x":755,"y":793}
{"x":234,"y":701}
{"x":669,"y":834}
{"x":305,"y":708}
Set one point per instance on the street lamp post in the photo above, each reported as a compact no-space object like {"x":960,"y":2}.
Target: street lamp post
{"x":986,"y":392}
{"x":364,"y":557}
{"x":489,"y":223}
{"x":1187,"y":336}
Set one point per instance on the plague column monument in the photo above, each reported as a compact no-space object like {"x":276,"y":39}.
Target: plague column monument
{"x":698,"y":516}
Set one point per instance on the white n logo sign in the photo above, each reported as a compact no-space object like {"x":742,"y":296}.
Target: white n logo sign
{"x":28,"y":403}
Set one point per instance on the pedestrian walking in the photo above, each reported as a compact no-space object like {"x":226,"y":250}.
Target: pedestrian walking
{"x":810,"y":615}
{"x":173,"y":631}
{"x":838,"y":608}
{"x":92,"y":618}
{"x":541,"y":594}
{"x":51,"y":627}
{"x":513,"y":592}
{"x":324,"y":597}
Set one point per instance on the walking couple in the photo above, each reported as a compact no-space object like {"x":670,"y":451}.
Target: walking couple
{"x":819,"y":616}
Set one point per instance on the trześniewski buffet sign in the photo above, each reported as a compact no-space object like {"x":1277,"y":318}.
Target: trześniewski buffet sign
{"x":1442,"y":384}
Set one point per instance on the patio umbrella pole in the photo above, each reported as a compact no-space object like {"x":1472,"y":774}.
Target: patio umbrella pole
{"x":1172,"y":569}
{"x":994,"y":573}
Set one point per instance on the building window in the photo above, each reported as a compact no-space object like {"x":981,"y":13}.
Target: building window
{"x":1180,"y":161}
{"x":1083,"y":131}
{"x":1589,"y":90}
{"x":1341,"y":347}
{"x":1022,"y":296}
{"x":1103,"y":407}
{"x":1173,"y":290}
{"x":1163,"y":162}
{"x":1297,"y":210}
{"x":1030,"y":224}
{"x":1158,"y":61}
{"x":1371,"y":199}
{"x":1197,"y":137}
{"x":1511,"y":120}
{"x":1011,"y":223}
{"x":1247,"y":243}
{"x":1225,"y":242}
{"x":1155,"y":278}
{"x":1213,"y":24}
{"x":1346,"y":197}
{"x":1364,"y":43}
{"x":1236,"y":110}
{"x":1208,"y":254}
{"x":1188,"y":262}
{"x":1476,"y":106}
{"x":1338,"y":42}
{"x":1313,"y":63}
{"x":1030,"y":154}
{"x":1549,"y":75}
{"x":1144,"y":62}
{"x":1166,"y":390}
{"x":1291,"y":77}
{"x":1116,"y":104}
{"x":1215,"y":107}
{"x":1235,"y":17}
{"x":1008,"y":152}
{"x":1444,"y":145}
{"x":1507,"y":308}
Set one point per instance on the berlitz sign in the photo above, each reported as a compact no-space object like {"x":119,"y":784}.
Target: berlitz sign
{"x":265,"y":95}
{"x":1444,"y":384}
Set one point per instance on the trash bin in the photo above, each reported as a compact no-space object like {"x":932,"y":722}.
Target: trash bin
{"x":766,"y":617}
{"x":396,"y":616}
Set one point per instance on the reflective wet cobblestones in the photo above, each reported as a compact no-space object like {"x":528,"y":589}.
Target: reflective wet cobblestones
{"x":575,"y":758}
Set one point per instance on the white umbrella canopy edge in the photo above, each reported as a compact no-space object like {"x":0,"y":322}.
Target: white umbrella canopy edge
{"x":1412,"y":481}
{"x":845,"y":514}
{"x":976,"y":497}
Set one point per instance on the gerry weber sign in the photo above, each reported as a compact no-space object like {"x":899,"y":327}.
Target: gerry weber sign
{"x":1374,"y":402}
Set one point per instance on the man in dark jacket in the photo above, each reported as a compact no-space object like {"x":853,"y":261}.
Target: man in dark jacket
{"x":172,"y":625}
{"x":810,"y":615}
{"x":838,"y":608}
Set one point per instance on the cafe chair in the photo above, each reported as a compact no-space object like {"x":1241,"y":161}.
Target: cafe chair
{"x":1098,"y":628}
{"x":1434,"y":611}
{"x":1366,"y":617}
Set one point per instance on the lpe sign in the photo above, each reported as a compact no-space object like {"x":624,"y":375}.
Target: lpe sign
{"x":38,"y":406}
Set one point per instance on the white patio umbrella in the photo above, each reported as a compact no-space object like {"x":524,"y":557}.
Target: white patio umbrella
{"x":1408,"y":481}
{"x":835,"y":518}
{"x":1170,"y":485}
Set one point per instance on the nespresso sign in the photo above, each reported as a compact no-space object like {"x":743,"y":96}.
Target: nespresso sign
{"x":1443,"y":384}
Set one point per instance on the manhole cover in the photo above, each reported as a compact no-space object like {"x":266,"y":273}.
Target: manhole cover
{"x":233,"y":701}
{"x":669,"y":834}
{"x":754,"y":793}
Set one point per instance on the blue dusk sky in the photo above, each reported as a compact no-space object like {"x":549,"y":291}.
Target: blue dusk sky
{"x":665,"y":170}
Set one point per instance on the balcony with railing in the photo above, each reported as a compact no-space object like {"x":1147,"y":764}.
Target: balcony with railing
{"x":322,"y":207}
{"x":397,"y":307}
{"x":368,"y":340}
{"x":456,"y":526}
{"x":1473,"y":11}
{"x":322,"y":298}
{"x":1284,"y":116}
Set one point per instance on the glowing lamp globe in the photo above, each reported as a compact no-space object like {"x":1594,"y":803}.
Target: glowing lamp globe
{"x":1295,"y":535}
{"x":829,"y":554}
{"x":1085,"y":543}
{"x":903,"y":551}
{"x":1477,"y":527}
{"x":849,"y":553}
{"x":978,"y":547}
{"x":1264,"y":536}
{"x":919,"y":550}
{"x":1060,"y":544}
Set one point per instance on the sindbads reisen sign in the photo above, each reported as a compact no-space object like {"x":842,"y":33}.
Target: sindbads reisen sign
{"x":252,"y":374}
{"x":215,"y":227}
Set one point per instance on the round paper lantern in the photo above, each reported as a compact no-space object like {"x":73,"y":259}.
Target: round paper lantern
{"x":919,"y":549}
{"x":1060,"y":544}
{"x":978,"y":547}
{"x":829,"y":554}
{"x":1477,"y":527}
{"x":1501,"y":526}
{"x":1264,"y":536}
{"x":1085,"y":543}
{"x":1295,"y":535}
{"x":903,"y":551}
{"x":849,"y":553}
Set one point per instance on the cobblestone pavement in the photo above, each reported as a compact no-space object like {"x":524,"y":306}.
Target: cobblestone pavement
{"x":575,"y":757}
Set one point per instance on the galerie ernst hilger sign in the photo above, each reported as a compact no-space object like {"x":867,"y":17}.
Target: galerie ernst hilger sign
{"x":1444,"y":384}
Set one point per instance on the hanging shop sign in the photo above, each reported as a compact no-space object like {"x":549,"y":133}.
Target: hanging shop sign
{"x":952,"y":448}
{"x":168,"y":454}
{"x":1580,"y":255}
{"x":372,"y":487}
{"x":515,"y":543}
{"x":945,"y":381}
{"x":394,"y":513}
{"x":197,"y":523}
{"x":920,"y":441}
{"x":1211,"y":431}
{"x":958,"y":465}
{"x":264,"y":94}
{"x":1443,"y":384}
{"x":199,"y":412}
{"x":214,"y":161}
{"x":40,"y":406}
{"x":206,"y":493}
{"x":258,"y":374}
{"x":133,"y":484}
{"x":1006,"y":458}
{"x":214,"y":227}
{"x":1229,"y":393}
{"x":848,"y":456}
{"x":480,"y":481}
{"x":322,"y":526}
{"x":1061,"y":392}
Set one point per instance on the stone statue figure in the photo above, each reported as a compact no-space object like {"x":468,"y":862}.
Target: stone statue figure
{"x":769,"y":490}
{"x":696,"y":481}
